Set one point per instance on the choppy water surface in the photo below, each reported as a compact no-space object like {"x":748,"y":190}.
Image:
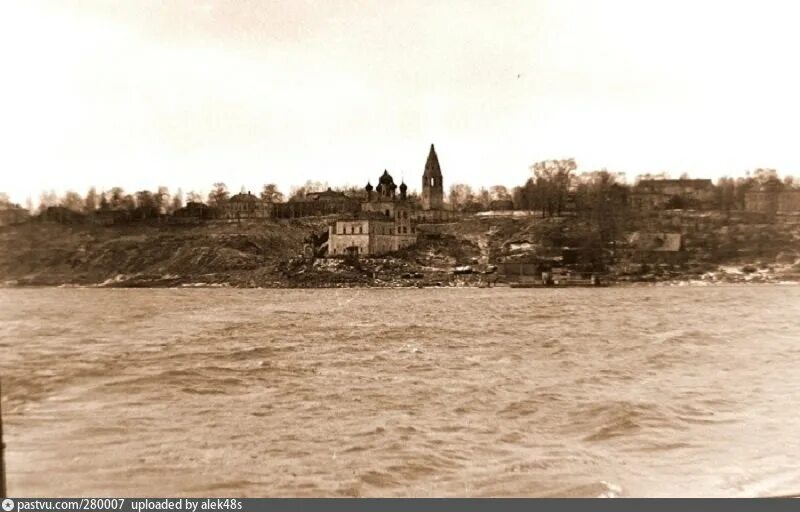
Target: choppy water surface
{"x":473,"y":392}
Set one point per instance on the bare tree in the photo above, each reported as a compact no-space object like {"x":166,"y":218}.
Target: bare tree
{"x":725,"y":194}
{"x":128,"y":202}
{"x":90,"y":202}
{"x":602,"y":202}
{"x":350,"y":190}
{"x":499,"y":193}
{"x":764,"y":176}
{"x":460,"y":195}
{"x":162,"y":199}
{"x":47,"y":199}
{"x":484,"y":198}
{"x":116,"y":198}
{"x":271,"y":194}
{"x":218,"y":195}
{"x":72,"y":201}
{"x":177,"y":200}
{"x":193,"y":197}
{"x":309,"y":187}
{"x":147,"y":205}
{"x":104,"y":204}
{"x":553,"y":178}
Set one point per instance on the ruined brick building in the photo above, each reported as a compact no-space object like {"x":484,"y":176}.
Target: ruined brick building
{"x":773,"y":198}
{"x":656,"y":194}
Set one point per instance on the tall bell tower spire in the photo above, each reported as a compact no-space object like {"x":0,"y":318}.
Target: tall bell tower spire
{"x":432,"y":187}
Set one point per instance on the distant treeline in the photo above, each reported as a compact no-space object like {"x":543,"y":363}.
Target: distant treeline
{"x":554,"y":186}
{"x":148,"y":203}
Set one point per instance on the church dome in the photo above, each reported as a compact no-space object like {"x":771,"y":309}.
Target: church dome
{"x":386,"y":179}
{"x":368,"y":188}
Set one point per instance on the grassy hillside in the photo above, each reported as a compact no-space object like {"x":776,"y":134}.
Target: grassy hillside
{"x":266,"y":254}
{"x":53,"y":254}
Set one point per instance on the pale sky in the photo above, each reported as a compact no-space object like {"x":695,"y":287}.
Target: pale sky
{"x":141,"y":93}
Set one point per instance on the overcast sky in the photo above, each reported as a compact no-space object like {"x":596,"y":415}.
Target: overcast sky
{"x":142,"y":93}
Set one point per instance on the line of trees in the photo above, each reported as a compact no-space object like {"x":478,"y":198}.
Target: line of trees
{"x":462,"y":197}
{"x":547,"y":190}
{"x":730,"y":192}
{"x":553,"y":184}
{"x":552,"y":188}
{"x":144,"y":203}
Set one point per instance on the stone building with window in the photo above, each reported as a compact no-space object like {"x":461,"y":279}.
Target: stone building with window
{"x":327,"y":202}
{"x":789,"y":201}
{"x":386,"y":222}
{"x":654,"y":194}
{"x":245,"y":206}
{"x":193,"y":213}
{"x":368,"y":235}
{"x":772,"y":198}
{"x":13,"y":214}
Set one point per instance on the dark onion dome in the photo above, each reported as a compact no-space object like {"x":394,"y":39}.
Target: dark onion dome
{"x":403,"y":186}
{"x":368,"y":188}
{"x":386,"y":178}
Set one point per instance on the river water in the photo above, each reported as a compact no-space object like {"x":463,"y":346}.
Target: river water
{"x":652,"y":391}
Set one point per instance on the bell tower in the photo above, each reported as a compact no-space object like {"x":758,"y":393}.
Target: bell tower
{"x":432,"y":187}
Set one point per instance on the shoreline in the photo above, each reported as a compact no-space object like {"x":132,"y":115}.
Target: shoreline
{"x":749,"y":274}
{"x":668,"y":283}
{"x":469,"y":254}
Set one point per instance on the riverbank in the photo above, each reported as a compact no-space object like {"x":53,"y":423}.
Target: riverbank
{"x":275,"y":255}
{"x":719,"y":278}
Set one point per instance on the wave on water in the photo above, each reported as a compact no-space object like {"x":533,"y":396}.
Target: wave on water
{"x":634,"y":391}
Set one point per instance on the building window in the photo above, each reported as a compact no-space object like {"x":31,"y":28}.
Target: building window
{"x":404,"y":230}
{"x":360,"y":229}
{"x":387,"y":213}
